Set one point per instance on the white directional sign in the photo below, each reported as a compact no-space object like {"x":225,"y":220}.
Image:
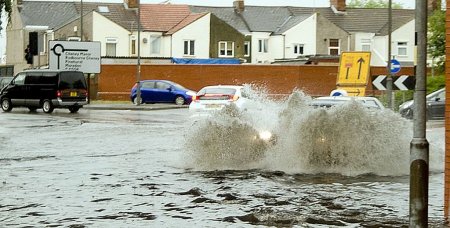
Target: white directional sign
{"x":399,"y":82}
{"x":74,"y":55}
{"x":404,"y":82}
{"x":378,"y":82}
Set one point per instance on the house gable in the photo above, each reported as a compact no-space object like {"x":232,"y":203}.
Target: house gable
{"x":221,"y":31}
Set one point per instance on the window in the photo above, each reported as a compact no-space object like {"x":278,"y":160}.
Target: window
{"x":189,"y":47}
{"x":333,"y":47}
{"x":402,"y":48}
{"x":111,"y":44}
{"x":299,"y":49}
{"x":20,"y":79}
{"x":103,"y":9}
{"x":365,"y":45}
{"x":162,"y":86}
{"x":155,"y":44}
{"x":133,"y":45}
{"x":247,"y":48}
{"x":148,"y":85}
{"x":226,"y":49}
{"x":263,"y":45}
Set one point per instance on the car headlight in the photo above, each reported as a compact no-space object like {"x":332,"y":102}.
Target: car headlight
{"x":190,"y":93}
{"x":265,"y":135}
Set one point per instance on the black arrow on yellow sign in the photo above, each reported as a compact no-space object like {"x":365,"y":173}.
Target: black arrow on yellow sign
{"x":360,"y":61}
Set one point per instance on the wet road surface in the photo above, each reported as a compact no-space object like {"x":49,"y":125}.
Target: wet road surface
{"x":124,"y":168}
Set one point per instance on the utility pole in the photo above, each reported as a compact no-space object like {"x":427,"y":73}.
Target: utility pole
{"x":389,"y":74}
{"x":138,"y":73}
{"x":419,"y":147}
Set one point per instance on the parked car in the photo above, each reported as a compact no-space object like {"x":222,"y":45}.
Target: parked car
{"x":435,"y":106}
{"x":46,"y":89}
{"x":162,"y":91}
{"x":368,"y":102}
{"x":212,"y":98}
{"x":4,"y":81}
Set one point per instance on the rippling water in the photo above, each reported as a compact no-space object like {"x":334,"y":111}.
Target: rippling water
{"x":165,"y":169}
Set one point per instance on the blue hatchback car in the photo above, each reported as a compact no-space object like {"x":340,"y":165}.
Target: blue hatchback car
{"x":162,"y":91}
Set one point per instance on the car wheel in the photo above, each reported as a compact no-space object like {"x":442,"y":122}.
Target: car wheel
{"x":47,"y":106}
{"x":6,"y":105}
{"x":74,"y":109}
{"x":32,"y":109}
{"x":179,"y":100}
{"x":135,"y":100}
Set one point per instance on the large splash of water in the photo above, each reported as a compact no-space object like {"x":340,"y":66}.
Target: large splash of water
{"x":348,"y":139}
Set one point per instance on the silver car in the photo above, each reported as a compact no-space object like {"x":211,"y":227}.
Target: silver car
{"x":435,"y":106}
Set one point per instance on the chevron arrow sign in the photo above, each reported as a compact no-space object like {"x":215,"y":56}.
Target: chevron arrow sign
{"x":403,"y":82}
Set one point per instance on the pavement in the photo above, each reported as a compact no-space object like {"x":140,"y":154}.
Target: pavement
{"x":131,"y":106}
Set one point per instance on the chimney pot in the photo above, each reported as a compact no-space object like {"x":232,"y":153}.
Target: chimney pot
{"x":239,"y":6}
{"x":338,"y":4}
{"x":132,"y":4}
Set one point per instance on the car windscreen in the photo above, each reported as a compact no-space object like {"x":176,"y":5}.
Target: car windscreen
{"x":216,"y":93}
{"x":178,"y":86}
{"x":72,"y":80}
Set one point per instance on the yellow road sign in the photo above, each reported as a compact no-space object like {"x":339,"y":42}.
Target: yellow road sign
{"x":354,"y":68}
{"x":354,"y":91}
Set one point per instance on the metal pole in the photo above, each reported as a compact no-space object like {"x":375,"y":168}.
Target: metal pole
{"x":38,"y":51}
{"x":138,"y":73}
{"x":419,"y":147}
{"x":389,"y":75}
{"x":81,"y":21}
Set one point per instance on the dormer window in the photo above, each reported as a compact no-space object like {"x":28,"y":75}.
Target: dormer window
{"x":103,"y":9}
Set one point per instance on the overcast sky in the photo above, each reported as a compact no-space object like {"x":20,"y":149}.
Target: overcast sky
{"x":310,"y":3}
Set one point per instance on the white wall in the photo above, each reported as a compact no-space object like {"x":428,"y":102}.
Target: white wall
{"x":199,"y":31}
{"x":404,"y":34}
{"x":303,"y":33}
{"x":104,"y":28}
{"x":260,"y":57}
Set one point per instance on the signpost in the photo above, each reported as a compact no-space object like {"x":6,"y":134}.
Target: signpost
{"x":395,"y":66}
{"x":403,"y":82}
{"x":354,"y":70}
{"x":71,"y":55}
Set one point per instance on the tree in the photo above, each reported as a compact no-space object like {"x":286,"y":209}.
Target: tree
{"x":5,"y":6}
{"x":373,"y":4}
{"x":436,"y":38}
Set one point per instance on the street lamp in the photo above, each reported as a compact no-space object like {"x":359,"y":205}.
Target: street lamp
{"x":38,"y":29}
{"x":138,"y":73}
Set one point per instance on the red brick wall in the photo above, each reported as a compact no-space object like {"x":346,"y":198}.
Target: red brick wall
{"x":116,"y":81}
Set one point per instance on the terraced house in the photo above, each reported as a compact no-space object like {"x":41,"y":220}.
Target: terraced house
{"x":252,"y":34}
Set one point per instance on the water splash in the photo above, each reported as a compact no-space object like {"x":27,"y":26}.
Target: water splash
{"x":348,"y":139}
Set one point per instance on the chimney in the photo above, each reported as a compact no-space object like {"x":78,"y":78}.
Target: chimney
{"x":19,"y":2}
{"x":434,"y":5}
{"x":239,"y":6}
{"x":339,"y":5}
{"x":131,"y":4}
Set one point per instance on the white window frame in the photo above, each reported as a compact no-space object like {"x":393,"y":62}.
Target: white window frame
{"x":298,"y":49}
{"x":338,"y":48}
{"x":155,"y":38}
{"x":133,"y":51}
{"x":189,"y":43}
{"x":247,"y":48}
{"x":227,"y":48}
{"x":402,"y":45}
{"x":111,"y":40}
{"x":263,"y":45}
{"x":366,"y":45}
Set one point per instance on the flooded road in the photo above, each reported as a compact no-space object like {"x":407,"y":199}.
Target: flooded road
{"x":145,"y":169}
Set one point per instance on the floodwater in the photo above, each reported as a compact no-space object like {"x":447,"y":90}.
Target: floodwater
{"x":342,"y":167}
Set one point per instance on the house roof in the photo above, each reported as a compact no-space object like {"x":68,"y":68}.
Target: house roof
{"x":226,"y":14}
{"x":185,"y":22}
{"x":51,"y":14}
{"x":162,"y":17}
{"x":56,"y":14}
{"x":362,"y":19}
{"x":116,"y":12}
